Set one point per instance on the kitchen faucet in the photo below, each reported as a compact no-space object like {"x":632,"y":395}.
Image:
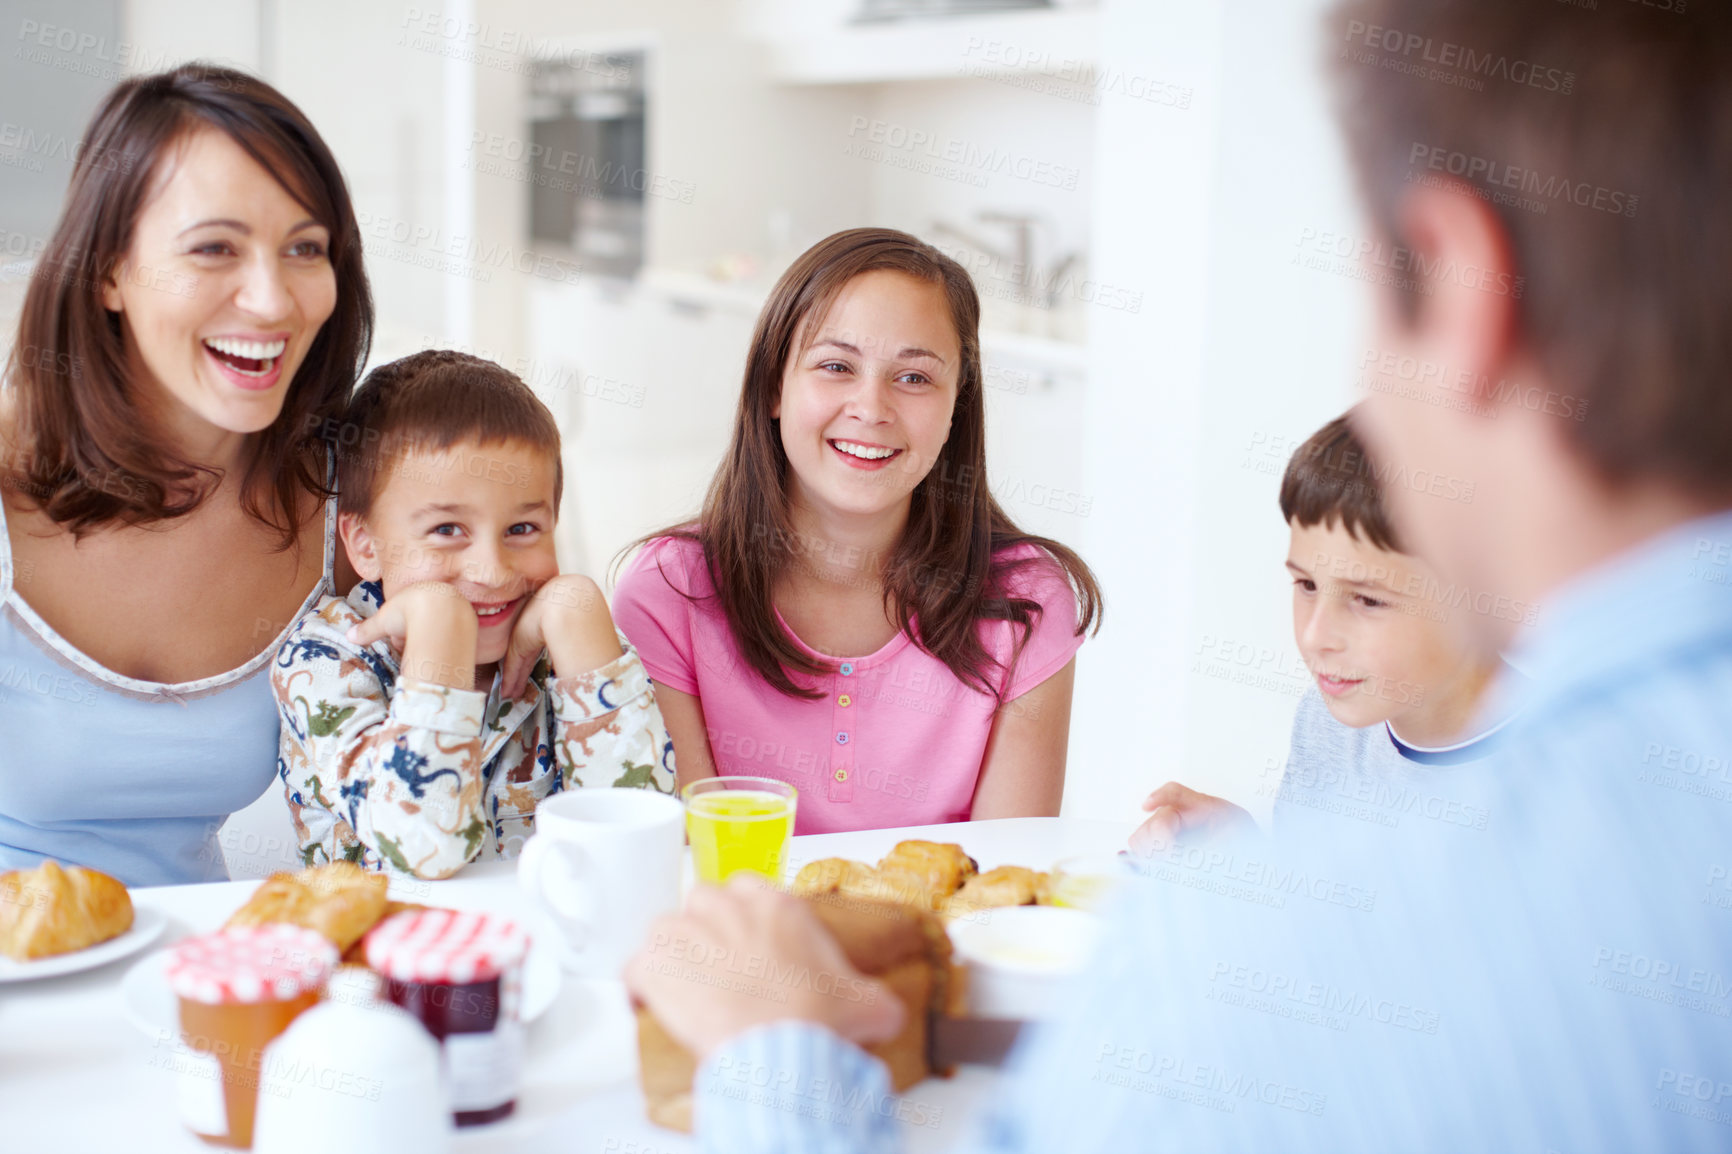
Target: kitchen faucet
{"x":1021,"y":255}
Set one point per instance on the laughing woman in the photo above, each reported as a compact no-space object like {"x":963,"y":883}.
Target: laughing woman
{"x":852,"y":612}
{"x":198,"y":315}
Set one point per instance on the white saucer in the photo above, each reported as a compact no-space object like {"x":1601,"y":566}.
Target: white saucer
{"x":152,"y":1007}
{"x":147,"y":926}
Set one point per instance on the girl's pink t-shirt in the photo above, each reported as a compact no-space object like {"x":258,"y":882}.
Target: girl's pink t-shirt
{"x":895,"y":737}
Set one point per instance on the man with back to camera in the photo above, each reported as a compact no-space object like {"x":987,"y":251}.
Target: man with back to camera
{"x":1562,"y":979}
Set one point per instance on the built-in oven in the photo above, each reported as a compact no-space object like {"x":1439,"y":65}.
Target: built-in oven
{"x":589,"y":168}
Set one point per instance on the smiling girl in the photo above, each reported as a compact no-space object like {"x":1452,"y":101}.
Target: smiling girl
{"x":852,"y":612}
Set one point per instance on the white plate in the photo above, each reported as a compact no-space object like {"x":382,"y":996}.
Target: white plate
{"x":153,"y":1008}
{"x":147,"y":926}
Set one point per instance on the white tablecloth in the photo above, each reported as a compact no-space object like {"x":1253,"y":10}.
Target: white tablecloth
{"x":76,"y":1076}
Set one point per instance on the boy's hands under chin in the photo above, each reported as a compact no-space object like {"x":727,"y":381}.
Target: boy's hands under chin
{"x":1181,"y":814}
{"x":433,"y":626}
{"x":568,"y":617}
{"x":689,"y":972}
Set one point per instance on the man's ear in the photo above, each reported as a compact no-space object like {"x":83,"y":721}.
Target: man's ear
{"x":362,"y":549}
{"x":1462,"y":254}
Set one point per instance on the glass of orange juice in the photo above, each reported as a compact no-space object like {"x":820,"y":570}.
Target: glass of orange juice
{"x":739,"y":823}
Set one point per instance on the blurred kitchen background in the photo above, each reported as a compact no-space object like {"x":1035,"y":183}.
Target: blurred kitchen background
{"x":599,"y":195}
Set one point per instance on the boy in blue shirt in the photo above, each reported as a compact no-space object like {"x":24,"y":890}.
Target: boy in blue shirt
{"x":1399,"y":684}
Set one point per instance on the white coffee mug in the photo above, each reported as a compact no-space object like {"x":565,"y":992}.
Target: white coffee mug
{"x":604,"y":864}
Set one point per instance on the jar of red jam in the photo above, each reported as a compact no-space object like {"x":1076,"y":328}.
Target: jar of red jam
{"x":460,"y":973}
{"x":238,"y":990}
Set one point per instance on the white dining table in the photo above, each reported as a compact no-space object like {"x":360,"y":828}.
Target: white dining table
{"x":76,"y":1075}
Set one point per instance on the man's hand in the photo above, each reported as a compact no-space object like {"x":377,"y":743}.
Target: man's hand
{"x":568,"y":616}
{"x":747,"y":955}
{"x":433,"y":626}
{"x":1180,"y":814}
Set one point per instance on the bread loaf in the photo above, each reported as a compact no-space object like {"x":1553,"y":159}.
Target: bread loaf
{"x":904,"y":947}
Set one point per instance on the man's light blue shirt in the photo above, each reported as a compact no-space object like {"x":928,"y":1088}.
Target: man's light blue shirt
{"x":1558,"y":981}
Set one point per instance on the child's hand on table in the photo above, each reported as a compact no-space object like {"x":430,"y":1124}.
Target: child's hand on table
{"x":568,"y":617}
{"x":1181,"y":814}
{"x":433,"y":626}
{"x":679,"y":973}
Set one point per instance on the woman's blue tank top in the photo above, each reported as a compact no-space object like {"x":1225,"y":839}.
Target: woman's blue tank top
{"x":133,"y":778}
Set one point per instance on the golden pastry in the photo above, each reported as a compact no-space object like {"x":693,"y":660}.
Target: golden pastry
{"x":942,"y":865}
{"x":905,"y":887}
{"x":827,"y":875}
{"x":1003,"y":886}
{"x":341,"y":901}
{"x":50,"y":910}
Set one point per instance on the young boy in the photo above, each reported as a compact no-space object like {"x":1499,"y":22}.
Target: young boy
{"x":1397,"y":685}
{"x":464,"y":679}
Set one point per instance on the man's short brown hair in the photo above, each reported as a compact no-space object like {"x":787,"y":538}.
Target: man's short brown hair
{"x":1613,"y":123}
{"x":427,"y":402}
{"x":1330,"y":481}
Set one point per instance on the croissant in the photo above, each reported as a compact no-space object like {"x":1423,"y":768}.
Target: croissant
{"x":341,"y":901}
{"x":941,"y":866}
{"x":50,"y":910}
{"x":1003,"y":886}
{"x":827,"y":875}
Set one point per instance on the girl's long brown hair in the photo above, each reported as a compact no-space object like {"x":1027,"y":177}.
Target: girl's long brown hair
{"x":942,"y":570}
{"x":83,"y":455}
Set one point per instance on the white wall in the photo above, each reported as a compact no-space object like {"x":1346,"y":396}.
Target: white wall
{"x":1234,"y":351}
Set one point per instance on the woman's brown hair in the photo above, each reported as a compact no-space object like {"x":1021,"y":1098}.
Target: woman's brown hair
{"x":942,"y":571}
{"x":83,"y":455}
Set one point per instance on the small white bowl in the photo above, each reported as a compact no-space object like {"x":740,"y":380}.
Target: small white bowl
{"x":1020,"y":957}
